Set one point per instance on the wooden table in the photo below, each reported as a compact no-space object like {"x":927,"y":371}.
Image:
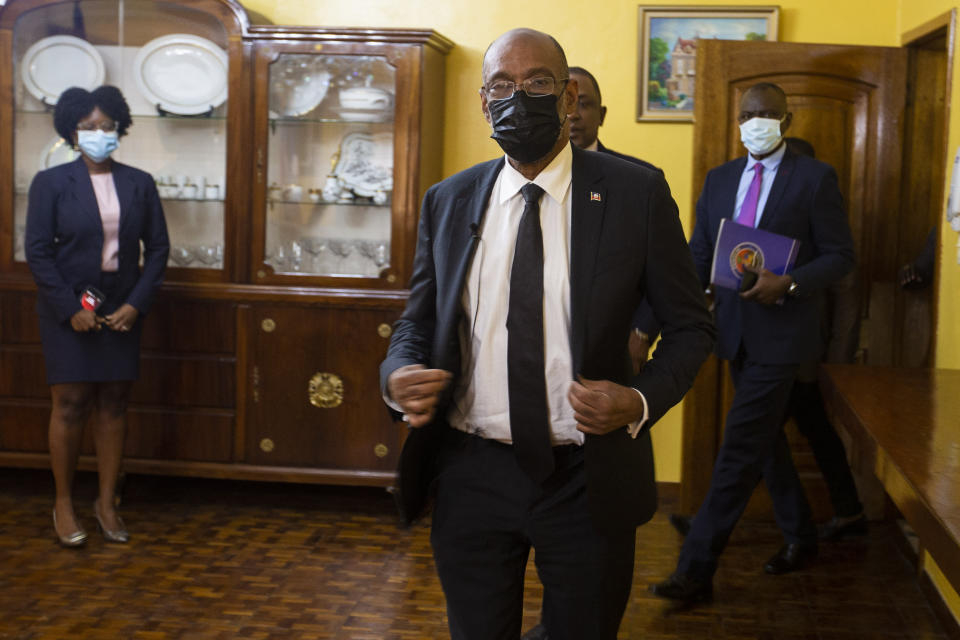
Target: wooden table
{"x":908,"y":420}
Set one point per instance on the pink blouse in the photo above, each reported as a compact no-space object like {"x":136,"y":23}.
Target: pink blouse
{"x":109,"y":204}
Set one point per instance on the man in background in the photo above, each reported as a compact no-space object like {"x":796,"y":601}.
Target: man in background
{"x":840,"y":322}
{"x":764,"y":332}
{"x":585,"y":125}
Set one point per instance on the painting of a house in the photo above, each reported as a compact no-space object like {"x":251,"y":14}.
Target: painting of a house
{"x":669,"y":48}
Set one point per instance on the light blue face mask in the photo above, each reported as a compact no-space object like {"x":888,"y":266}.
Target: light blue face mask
{"x":97,"y":145}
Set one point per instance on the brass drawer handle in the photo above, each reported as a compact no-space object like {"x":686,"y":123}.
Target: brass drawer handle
{"x":381,"y":450}
{"x":384,"y":330}
{"x":325,"y":390}
{"x":268,"y":325}
{"x":266,"y":445}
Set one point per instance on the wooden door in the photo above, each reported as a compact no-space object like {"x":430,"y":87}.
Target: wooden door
{"x":314,"y":399}
{"x":849,"y":102}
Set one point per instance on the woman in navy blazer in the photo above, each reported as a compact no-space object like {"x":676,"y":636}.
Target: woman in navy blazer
{"x":85,"y":224}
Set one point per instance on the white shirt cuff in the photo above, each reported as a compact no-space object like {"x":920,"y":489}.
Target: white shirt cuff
{"x":396,"y":407}
{"x":634,"y":428}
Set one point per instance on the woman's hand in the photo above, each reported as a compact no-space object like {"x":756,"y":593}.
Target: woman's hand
{"x":123,"y":318}
{"x":85,"y":320}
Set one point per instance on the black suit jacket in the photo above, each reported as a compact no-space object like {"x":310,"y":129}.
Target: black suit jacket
{"x":626,"y":243}
{"x":644,"y":318}
{"x":805,"y":204}
{"x":64,"y":237}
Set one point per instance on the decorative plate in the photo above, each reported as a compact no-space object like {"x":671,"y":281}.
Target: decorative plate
{"x":365,"y":165}
{"x":54,"y":64}
{"x":58,"y":151}
{"x":297,"y":85}
{"x":182,"y":73}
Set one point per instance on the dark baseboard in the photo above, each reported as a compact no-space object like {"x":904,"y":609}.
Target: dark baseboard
{"x":669,"y":495}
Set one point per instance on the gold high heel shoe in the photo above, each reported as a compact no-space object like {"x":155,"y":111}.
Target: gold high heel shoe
{"x":120,"y":536}
{"x":76,"y":539}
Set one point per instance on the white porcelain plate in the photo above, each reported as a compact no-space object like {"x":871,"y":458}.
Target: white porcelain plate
{"x":297,"y":85}
{"x":182,"y":73}
{"x":57,"y":151}
{"x":54,"y":64}
{"x":366,"y":163}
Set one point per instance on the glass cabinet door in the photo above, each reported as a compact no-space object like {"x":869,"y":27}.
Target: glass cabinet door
{"x":329,"y":179}
{"x":170,"y":62}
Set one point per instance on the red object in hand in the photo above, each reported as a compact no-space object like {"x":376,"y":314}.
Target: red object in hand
{"x":91,"y":299}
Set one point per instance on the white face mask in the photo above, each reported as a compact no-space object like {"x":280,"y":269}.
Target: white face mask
{"x":760,"y":135}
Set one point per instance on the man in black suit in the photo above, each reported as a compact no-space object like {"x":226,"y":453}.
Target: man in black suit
{"x":585,"y":124}
{"x":510,"y":360}
{"x":765,"y":332}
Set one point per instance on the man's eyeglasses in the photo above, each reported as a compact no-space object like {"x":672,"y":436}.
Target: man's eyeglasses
{"x":106,"y":127}
{"x":534,"y":87}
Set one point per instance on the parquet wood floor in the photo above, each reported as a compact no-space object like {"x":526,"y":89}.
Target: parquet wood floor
{"x":223,"y":560}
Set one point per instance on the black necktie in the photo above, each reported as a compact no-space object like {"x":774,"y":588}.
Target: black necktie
{"x":529,"y":423}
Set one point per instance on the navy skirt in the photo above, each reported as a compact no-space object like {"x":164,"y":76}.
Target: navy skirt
{"x":95,"y":356}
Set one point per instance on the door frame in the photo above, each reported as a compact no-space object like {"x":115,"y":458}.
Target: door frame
{"x":942,"y":26}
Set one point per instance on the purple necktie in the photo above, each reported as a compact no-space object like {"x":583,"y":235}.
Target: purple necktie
{"x":748,"y":212}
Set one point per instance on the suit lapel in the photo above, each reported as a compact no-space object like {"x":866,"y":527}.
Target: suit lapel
{"x":83,"y":190}
{"x":588,"y":195}
{"x":780,"y":182}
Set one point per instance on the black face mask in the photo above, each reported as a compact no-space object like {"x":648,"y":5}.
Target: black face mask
{"x":526,"y":128}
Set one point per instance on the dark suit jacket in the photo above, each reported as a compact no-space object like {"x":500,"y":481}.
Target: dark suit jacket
{"x":64,"y":238}
{"x":626,"y":243}
{"x":623,"y":156}
{"x":644,"y":318}
{"x":805,"y":204}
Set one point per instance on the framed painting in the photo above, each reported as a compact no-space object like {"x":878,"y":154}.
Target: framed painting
{"x":667,"y":67}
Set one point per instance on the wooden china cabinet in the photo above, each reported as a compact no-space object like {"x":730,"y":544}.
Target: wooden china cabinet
{"x":291,"y":162}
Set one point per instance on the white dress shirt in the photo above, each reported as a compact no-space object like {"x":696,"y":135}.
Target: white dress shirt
{"x":770,"y":165}
{"x":481,"y":402}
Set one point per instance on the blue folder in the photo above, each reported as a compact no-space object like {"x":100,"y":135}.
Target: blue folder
{"x":738,"y":245}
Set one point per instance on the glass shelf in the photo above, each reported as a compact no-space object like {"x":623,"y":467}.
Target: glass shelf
{"x":322,"y":203}
{"x":48,"y":113}
{"x":23,"y":193}
{"x":333,"y":119}
{"x":200,"y":200}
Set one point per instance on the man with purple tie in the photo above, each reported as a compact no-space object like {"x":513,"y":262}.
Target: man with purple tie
{"x":765,"y":332}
